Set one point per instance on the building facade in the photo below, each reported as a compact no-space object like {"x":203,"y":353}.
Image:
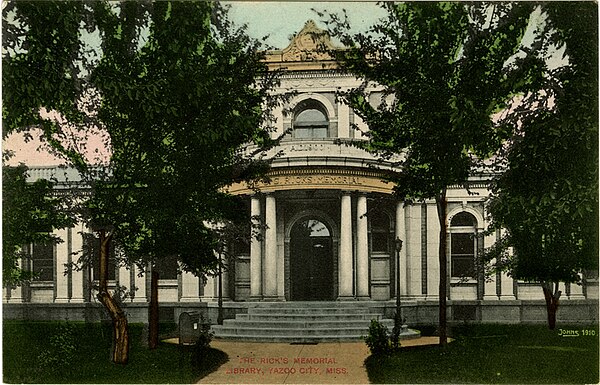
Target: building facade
{"x":330,"y":230}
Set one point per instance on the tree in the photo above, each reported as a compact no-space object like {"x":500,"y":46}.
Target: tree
{"x":30,"y":212}
{"x":547,"y":199}
{"x":445,"y":69}
{"x":179,"y":110}
{"x":177,"y":105}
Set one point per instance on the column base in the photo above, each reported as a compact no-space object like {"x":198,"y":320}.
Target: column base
{"x":363,"y":298}
{"x":491,"y":298}
{"x":274,"y":298}
{"x":189,"y":299}
{"x":15,"y":300}
{"x":61,"y":300}
{"x":346,"y":298}
{"x":77,"y":300}
{"x":255,"y":298}
{"x":507,"y":298}
{"x":140,"y":299}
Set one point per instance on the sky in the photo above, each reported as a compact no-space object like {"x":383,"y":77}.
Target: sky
{"x":281,"y":19}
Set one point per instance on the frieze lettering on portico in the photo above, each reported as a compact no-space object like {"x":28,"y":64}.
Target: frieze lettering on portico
{"x":306,"y":179}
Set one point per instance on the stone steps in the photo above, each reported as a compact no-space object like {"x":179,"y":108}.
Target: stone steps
{"x":309,"y":317}
{"x":302,"y":322}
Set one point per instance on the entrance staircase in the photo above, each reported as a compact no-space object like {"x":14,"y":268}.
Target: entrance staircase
{"x":302,"y":322}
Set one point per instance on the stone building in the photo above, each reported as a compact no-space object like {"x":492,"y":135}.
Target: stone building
{"x":331,"y":225}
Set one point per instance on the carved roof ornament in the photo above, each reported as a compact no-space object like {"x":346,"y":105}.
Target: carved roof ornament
{"x":307,"y":43}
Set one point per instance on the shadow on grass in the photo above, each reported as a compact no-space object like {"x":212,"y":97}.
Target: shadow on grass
{"x":49,"y":352}
{"x":495,"y":354}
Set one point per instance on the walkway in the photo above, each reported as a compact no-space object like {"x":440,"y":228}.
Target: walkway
{"x":281,"y":363}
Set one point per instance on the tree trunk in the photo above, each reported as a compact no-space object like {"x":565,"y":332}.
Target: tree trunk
{"x":153,"y":311}
{"x":551,"y":302}
{"x":120,"y":345}
{"x":441,"y":210}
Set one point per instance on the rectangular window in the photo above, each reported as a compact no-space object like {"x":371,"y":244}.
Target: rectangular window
{"x":167,"y":267}
{"x":42,"y":260}
{"x":462,"y":250}
{"x":379,"y":242}
{"x":310,"y":132}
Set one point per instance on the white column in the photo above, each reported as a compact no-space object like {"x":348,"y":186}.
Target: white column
{"x":16,"y":293}
{"x":278,"y":123}
{"x":489,"y":288}
{"x":62,"y":256}
{"x":190,"y":287}
{"x":140,"y":285}
{"x":280,"y":259}
{"x":225,"y":276}
{"x":433,"y":246}
{"x":270,"y":247}
{"x":125,"y":277}
{"x":345,"y":258}
{"x":362,"y":252}
{"x":506,"y":283}
{"x":401,"y":234}
{"x":77,"y":274}
{"x":576,"y":291}
{"x":413,"y":250}
{"x":362,"y":127}
{"x":343,"y":120}
{"x":255,"y":251}
{"x":210,"y":289}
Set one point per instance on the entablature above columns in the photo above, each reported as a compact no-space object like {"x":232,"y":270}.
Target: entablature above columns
{"x":326,"y":178}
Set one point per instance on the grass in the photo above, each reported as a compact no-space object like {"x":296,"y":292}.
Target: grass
{"x":38,"y":352}
{"x":495,"y":354}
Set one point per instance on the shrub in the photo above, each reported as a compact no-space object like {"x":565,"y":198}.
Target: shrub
{"x":201,"y":346}
{"x":379,"y":339}
{"x":61,"y":349}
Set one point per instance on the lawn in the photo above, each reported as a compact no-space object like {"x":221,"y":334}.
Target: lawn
{"x":496,"y":354}
{"x":57,"y":352}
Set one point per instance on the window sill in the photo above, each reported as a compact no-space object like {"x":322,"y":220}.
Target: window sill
{"x":463,"y":281}
{"x":41,"y":284}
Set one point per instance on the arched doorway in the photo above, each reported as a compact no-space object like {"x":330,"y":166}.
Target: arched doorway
{"x":311,"y":261}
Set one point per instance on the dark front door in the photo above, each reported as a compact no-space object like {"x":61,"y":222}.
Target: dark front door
{"x":311,"y":261}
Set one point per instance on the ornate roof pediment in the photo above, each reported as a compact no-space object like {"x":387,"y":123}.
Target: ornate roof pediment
{"x":308,"y":44}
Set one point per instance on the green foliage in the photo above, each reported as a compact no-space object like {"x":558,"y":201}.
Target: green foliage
{"x":379,"y":340}
{"x":444,"y":70}
{"x":169,"y":364}
{"x":495,"y":354}
{"x":177,"y":88}
{"x":178,"y":111}
{"x":30,"y":212}
{"x":547,"y":199}
{"x":61,"y":349}
{"x":201,"y":349}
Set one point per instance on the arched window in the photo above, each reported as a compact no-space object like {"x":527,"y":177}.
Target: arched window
{"x":463,"y":245}
{"x":310,"y":121}
{"x":380,"y":232}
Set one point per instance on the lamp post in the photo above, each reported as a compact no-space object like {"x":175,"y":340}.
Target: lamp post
{"x":398,"y":249}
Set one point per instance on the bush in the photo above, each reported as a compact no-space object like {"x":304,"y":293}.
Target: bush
{"x":61,"y":349}
{"x":202,"y":346}
{"x":379,"y":339}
